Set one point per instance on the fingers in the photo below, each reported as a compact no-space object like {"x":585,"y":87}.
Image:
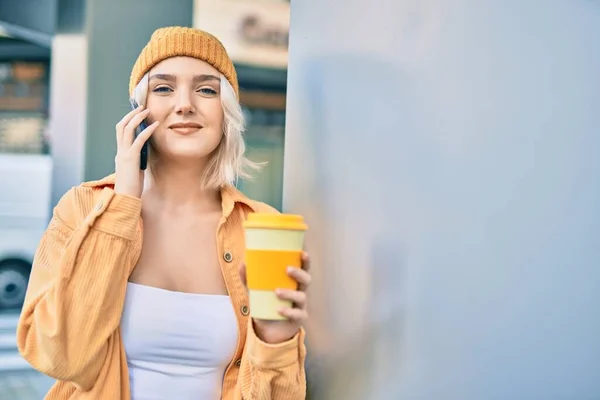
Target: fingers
{"x":296,"y":297}
{"x":301,"y":276}
{"x":297,"y":315}
{"x":120,"y":127}
{"x":129,"y":131}
{"x":305,"y":261}
{"x":144,"y":136}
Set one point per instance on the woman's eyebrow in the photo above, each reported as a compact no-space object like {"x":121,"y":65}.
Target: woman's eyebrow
{"x":173,"y":78}
{"x":206,"y":77}
{"x":163,"y":77}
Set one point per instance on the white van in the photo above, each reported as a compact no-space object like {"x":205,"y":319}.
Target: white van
{"x":25,"y":210}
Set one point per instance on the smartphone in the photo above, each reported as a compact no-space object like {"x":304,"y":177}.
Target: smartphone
{"x":138,"y":130}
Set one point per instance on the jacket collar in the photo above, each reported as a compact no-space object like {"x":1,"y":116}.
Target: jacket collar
{"x":229,"y":194}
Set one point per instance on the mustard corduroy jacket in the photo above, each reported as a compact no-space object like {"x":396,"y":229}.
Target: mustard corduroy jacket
{"x":69,"y":325}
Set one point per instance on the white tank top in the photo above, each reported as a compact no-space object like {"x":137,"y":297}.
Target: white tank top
{"x":177,"y":344}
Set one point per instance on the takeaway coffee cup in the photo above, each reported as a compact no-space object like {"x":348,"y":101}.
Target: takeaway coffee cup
{"x":273,"y":243}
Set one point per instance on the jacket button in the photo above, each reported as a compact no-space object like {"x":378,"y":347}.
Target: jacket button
{"x":227,"y":257}
{"x":238,"y":363}
{"x":245,"y":310}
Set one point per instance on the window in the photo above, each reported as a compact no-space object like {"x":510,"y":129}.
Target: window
{"x":23,"y":103}
{"x":264,"y":143}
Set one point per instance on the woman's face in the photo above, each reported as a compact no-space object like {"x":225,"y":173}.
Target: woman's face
{"x":184,"y":96}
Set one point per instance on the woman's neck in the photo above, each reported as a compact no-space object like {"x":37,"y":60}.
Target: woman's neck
{"x":179,"y":189}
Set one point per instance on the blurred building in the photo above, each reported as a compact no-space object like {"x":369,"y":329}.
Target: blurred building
{"x":24,"y":72}
{"x":25,"y":163}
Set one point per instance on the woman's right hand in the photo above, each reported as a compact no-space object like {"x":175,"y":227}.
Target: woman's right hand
{"x":129,"y":178}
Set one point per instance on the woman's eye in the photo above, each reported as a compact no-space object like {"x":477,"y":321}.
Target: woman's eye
{"x":162,"y":89}
{"x":207,"y":90}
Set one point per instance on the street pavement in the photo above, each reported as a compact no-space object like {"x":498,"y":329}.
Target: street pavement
{"x":17,"y":380}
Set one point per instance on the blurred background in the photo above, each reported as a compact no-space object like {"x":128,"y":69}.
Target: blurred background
{"x":444,"y":153}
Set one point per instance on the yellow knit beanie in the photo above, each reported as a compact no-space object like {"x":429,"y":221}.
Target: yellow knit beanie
{"x":181,"y":41}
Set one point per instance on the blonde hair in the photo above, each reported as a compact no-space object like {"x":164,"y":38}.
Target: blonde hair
{"x":228,"y":163}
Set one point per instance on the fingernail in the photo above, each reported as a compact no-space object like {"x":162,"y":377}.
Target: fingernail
{"x":290,"y":269}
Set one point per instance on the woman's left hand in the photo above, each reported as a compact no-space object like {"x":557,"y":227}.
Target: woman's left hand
{"x":274,"y":332}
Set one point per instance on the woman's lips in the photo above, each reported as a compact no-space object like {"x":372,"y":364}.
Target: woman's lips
{"x":185,"y":128}
{"x":185,"y":131}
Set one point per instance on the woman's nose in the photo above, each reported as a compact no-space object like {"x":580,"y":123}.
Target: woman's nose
{"x":184,"y":105}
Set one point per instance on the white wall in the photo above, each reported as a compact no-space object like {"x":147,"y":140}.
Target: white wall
{"x":445,"y":154}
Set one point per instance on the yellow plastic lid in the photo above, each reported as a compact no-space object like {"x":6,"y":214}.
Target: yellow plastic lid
{"x":275,"y":221}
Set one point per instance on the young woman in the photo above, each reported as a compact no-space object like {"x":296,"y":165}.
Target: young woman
{"x":137,"y":288}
